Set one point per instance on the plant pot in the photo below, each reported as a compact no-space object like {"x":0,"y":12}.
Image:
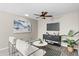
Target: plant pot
{"x":70,"y":49}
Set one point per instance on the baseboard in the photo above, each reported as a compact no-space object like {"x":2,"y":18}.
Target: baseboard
{"x":3,"y":48}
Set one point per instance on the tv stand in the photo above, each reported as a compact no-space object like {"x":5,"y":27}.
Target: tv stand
{"x":52,"y":39}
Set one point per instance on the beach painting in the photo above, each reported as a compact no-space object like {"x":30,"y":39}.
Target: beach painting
{"x":21,"y":26}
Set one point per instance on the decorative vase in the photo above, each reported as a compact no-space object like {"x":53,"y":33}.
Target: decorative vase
{"x":70,"y":49}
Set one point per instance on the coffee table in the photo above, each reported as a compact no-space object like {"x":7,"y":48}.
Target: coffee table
{"x":38,"y":44}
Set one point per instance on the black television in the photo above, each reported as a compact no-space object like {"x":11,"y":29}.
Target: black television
{"x":53,"y":27}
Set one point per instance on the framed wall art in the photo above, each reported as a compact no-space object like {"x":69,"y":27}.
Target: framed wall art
{"x":21,"y":25}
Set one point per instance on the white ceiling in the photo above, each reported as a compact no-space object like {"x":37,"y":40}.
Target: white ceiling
{"x":33,"y":8}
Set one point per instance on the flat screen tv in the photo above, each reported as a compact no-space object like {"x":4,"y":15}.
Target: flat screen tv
{"x":53,"y":27}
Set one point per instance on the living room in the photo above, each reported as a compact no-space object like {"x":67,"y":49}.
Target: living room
{"x":65,"y":15}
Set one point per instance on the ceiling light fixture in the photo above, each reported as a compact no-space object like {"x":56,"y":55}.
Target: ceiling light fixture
{"x":26,"y":15}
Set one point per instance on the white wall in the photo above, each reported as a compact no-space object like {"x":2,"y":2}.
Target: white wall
{"x":6,"y":21}
{"x":67,"y":22}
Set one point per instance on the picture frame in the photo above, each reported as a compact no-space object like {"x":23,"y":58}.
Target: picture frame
{"x":21,"y":25}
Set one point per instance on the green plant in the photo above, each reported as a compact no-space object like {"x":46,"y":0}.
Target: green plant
{"x":70,"y":41}
{"x":40,"y":40}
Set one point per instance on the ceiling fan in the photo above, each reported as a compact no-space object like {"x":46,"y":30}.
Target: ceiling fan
{"x":43,"y":14}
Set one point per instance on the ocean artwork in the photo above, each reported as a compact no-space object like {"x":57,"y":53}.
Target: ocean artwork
{"x":21,"y":26}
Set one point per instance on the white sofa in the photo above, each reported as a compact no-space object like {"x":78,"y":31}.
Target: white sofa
{"x":27,"y":49}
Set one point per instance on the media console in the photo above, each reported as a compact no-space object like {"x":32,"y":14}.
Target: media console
{"x":52,"y":39}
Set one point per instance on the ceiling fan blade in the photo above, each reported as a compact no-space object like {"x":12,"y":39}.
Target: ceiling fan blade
{"x":37,"y":14}
{"x":48,"y":16}
{"x":44,"y":13}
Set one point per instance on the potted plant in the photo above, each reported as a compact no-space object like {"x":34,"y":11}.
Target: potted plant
{"x":40,"y":40}
{"x":70,"y":41}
